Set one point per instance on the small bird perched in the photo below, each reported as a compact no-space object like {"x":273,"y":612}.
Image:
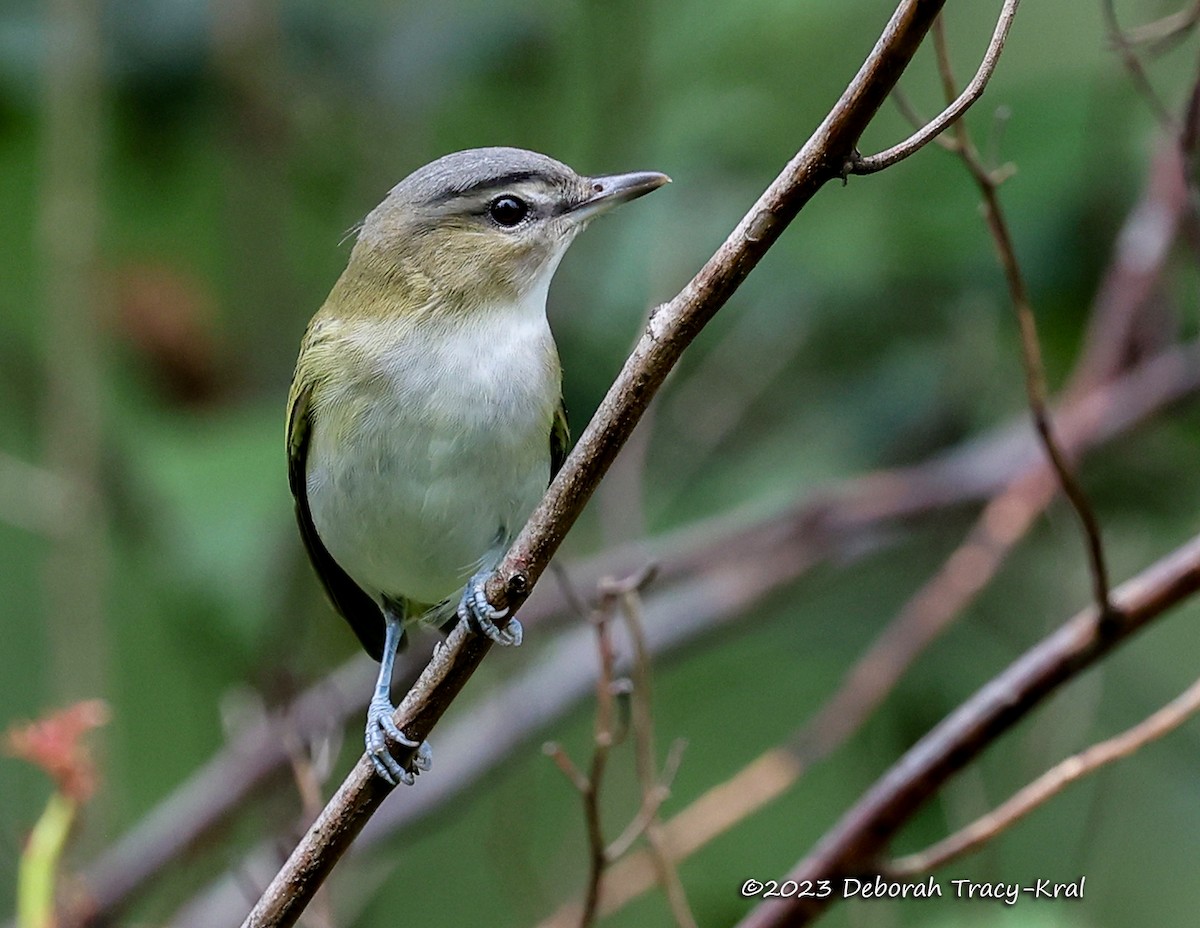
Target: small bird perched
{"x":425,"y":418}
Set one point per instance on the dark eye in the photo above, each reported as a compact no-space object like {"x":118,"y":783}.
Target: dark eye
{"x":508,"y":211}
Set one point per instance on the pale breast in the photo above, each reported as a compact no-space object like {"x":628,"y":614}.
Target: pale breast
{"x":431,"y":455}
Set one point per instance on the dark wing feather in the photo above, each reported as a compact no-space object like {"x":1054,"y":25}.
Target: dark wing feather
{"x":347,"y":597}
{"x":560,"y":439}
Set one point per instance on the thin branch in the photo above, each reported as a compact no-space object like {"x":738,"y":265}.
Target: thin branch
{"x":605,"y":736}
{"x":840,"y":518}
{"x":705,"y":576}
{"x":1137,"y":73}
{"x":562,"y":760}
{"x":651,"y":804}
{"x":1050,"y":784}
{"x":309,"y":776}
{"x":876,"y":672}
{"x":670,"y":329}
{"x":654,"y":790}
{"x":1035,"y":377}
{"x":1163,"y":31}
{"x":906,"y":108}
{"x":603,"y":739}
{"x":854,"y":844}
{"x":954,"y":111}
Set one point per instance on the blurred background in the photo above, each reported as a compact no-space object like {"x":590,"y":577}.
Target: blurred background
{"x":177,"y":181}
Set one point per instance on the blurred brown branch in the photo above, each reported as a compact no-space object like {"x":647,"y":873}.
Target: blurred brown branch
{"x":694,"y":566}
{"x":855,"y":843}
{"x":1049,"y":785}
{"x":1162,"y":32}
{"x":925,"y":616}
{"x":988,"y":183}
{"x":1137,"y":71}
{"x":624,"y":595}
{"x":671,"y":328}
{"x":1132,"y":277}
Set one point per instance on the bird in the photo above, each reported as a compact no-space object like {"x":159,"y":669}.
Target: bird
{"x":425,"y":417}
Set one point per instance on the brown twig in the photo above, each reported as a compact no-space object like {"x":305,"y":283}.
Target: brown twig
{"x":655,"y":790}
{"x":603,"y":738}
{"x":606,"y":735}
{"x":836,"y":524}
{"x":308,"y":777}
{"x":1035,"y":377}
{"x":671,"y":328}
{"x":1137,"y":73}
{"x":958,"y":105}
{"x":1049,"y":785}
{"x":854,"y":844}
{"x":865,"y":686}
{"x":1163,"y":31}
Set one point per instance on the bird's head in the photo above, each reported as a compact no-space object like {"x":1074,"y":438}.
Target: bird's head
{"x":485,"y":225}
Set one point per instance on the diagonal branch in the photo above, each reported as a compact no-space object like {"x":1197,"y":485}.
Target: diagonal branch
{"x":855,"y":843}
{"x":670,"y":329}
{"x":1050,"y":784}
{"x":954,"y":111}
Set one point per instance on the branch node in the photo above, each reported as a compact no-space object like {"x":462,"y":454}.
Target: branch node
{"x":517,"y":584}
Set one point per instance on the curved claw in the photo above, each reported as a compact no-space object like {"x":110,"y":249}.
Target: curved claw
{"x":380,"y":727}
{"x":480,"y":615}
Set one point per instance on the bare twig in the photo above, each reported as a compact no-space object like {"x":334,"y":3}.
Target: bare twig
{"x":308,"y":778}
{"x":603,"y":738}
{"x":671,"y":328}
{"x":837,"y":524}
{"x":1137,"y":73}
{"x":1163,"y":31}
{"x":1117,"y":320}
{"x":954,"y":111}
{"x":854,"y":844}
{"x":867,"y":683}
{"x":654,"y":790}
{"x":1050,"y":784}
{"x":651,"y":804}
{"x":1035,"y":377}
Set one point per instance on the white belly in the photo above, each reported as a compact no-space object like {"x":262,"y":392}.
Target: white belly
{"x":425,"y":465}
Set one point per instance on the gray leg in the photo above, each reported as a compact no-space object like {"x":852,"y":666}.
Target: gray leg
{"x":380,"y":724}
{"x":477,"y":612}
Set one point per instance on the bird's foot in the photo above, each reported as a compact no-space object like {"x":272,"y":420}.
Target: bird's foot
{"x":380,"y":727}
{"x":481,"y":616}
